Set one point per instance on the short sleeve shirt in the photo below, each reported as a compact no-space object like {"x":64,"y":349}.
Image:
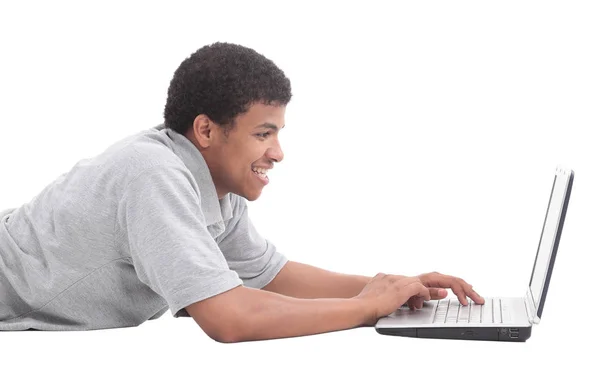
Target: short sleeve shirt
{"x":125,"y":236}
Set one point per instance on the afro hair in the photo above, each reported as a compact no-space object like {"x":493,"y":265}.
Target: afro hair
{"x":222,"y":80}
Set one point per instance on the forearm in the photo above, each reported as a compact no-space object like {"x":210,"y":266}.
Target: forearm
{"x":306,"y":281}
{"x":246,"y":314}
{"x":270,"y":315}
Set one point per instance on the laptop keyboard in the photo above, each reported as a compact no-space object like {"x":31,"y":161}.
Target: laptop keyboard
{"x":450,"y":311}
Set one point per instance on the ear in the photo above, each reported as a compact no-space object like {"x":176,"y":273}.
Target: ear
{"x":204,"y":131}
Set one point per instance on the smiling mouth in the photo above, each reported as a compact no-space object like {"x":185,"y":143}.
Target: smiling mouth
{"x":261,"y":173}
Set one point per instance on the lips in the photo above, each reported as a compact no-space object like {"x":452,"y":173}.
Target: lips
{"x":261,"y":173}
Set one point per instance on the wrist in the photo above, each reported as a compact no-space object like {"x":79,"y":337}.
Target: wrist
{"x":368,"y":315}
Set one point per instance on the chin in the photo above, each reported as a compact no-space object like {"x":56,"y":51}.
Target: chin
{"x":251,"y":196}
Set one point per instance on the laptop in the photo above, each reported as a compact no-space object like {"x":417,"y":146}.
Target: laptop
{"x":500,"y":318}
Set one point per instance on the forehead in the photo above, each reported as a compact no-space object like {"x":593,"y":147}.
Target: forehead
{"x":260,"y":114}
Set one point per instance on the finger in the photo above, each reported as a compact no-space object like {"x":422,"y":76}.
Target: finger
{"x":440,"y":280}
{"x":422,"y":291}
{"x":416,"y":289}
{"x":474,"y":296}
{"x":461,"y":289}
{"x":438,"y":293}
{"x":436,"y":279}
{"x":458,"y":290}
{"x":435,"y":293}
{"x":419,"y":303}
{"x":416,"y":302}
{"x":469,"y":292}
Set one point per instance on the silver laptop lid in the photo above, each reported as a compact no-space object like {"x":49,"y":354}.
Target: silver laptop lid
{"x":550,"y":238}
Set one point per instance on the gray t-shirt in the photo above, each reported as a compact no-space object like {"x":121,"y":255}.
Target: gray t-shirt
{"x":124,"y":236}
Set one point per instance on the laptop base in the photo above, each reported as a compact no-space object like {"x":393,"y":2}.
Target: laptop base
{"x":514,"y":334}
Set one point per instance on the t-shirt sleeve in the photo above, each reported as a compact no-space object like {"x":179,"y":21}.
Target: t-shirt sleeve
{"x":164,"y":230}
{"x":254,"y":258}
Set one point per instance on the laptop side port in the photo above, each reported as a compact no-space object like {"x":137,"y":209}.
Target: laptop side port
{"x":518,"y":334}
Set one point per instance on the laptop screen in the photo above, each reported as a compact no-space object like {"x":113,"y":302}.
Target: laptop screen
{"x":548,"y":245}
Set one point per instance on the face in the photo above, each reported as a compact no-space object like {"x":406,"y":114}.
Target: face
{"x":240,"y":160}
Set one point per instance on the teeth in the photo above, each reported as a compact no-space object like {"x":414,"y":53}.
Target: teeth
{"x":262,"y":172}
{"x":259,"y":170}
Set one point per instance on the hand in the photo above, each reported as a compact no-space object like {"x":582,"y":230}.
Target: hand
{"x":383,"y":294}
{"x":435,"y":280}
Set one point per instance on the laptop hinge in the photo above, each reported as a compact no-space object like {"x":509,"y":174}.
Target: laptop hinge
{"x":531,"y":308}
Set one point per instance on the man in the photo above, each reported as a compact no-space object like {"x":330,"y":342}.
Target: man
{"x":159,"y":221}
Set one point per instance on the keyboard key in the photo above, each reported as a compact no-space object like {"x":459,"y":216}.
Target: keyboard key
{"x":452,"y":311}
{"x":475,"y":313}
{"x":441,"y":311}
{"x":496,"y":312}
{"x":443,"y":306}
{"x":487,"y":314}
{"x":463,"y":313}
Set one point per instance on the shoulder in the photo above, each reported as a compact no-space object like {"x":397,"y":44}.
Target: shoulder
{"x":145,"y":149}
{"x":148,"y":153}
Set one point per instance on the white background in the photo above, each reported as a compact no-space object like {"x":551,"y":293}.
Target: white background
{"x":421,"y":136}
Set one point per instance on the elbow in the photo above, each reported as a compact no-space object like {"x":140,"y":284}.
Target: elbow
{"x":224,"y":318}
{"x":225,"y":334}
{"x":225,"y":339}
{"x":223,"y":328}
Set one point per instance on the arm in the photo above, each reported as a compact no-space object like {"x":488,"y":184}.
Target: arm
{"x":246,"y":314}
{"x":306,"y":281}
{"x":243,"y":314}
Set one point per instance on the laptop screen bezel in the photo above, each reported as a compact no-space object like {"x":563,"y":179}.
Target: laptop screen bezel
{"x":563,"y":213}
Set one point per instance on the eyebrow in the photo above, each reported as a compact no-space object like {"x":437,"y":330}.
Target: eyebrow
{"x":269,"y":126}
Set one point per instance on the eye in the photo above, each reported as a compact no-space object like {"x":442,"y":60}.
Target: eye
{"x":264,"y":135}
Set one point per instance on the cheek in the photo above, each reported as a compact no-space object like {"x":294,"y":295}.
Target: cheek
{"x":242,"y":157}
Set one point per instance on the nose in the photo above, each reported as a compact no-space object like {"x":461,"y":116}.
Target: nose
{"x":275,"y":153}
